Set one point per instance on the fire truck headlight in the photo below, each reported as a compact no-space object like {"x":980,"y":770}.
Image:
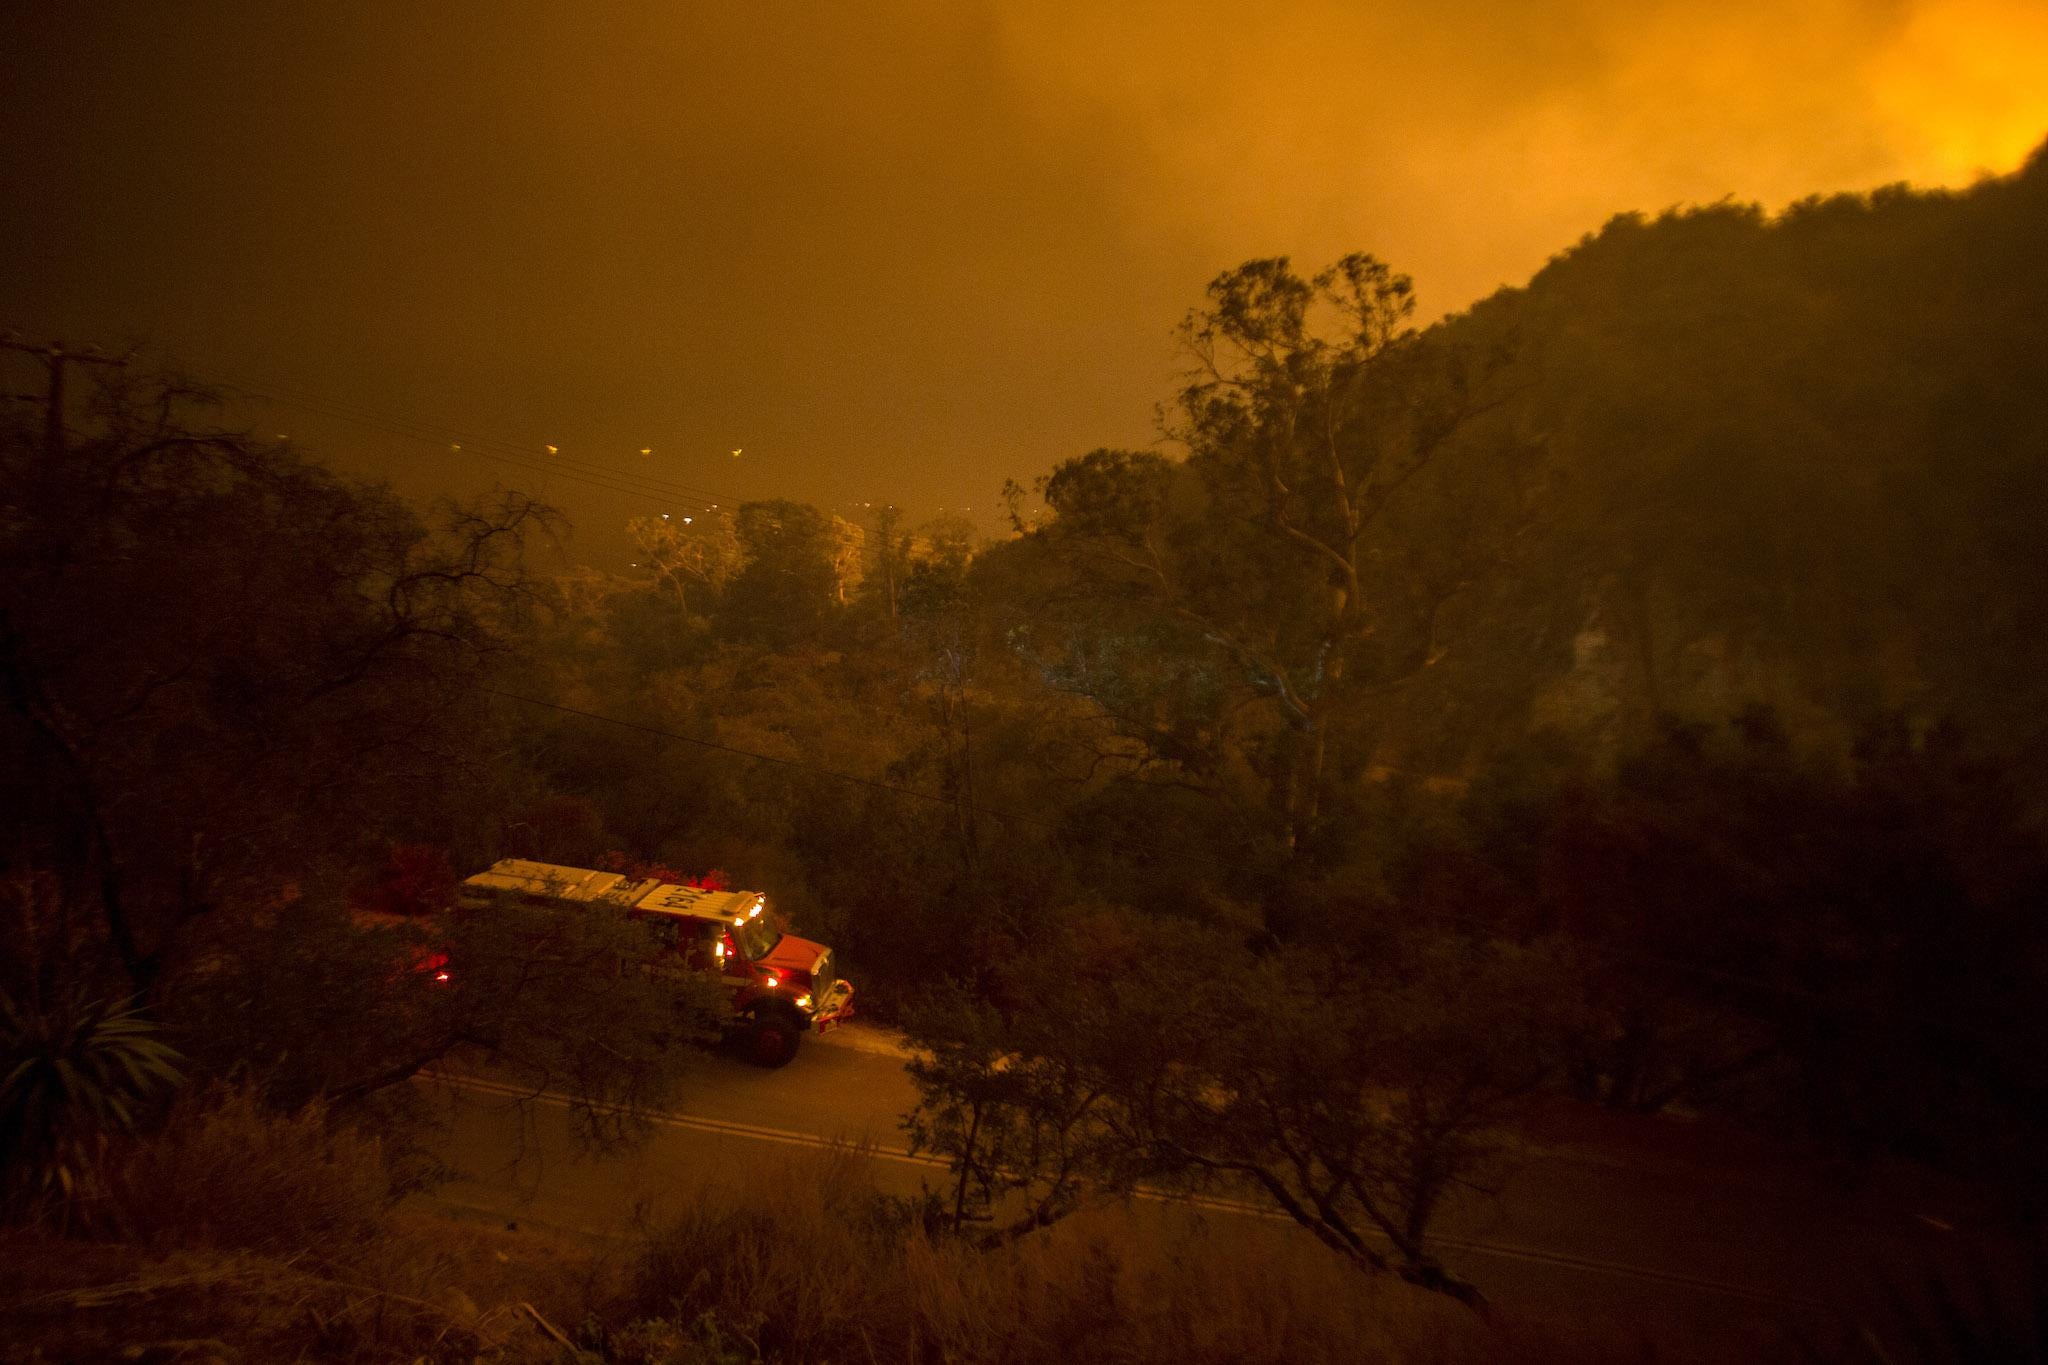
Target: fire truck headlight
{"x":773,"y":980}
{"x":803,"y":1002}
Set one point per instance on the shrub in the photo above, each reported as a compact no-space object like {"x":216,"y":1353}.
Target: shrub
{"x":226,"y":1173}
{"x":72,"y":1301}
{"x":824,"y":1268}
{"x":72,"y":1075}
{"x":806,"y":1268}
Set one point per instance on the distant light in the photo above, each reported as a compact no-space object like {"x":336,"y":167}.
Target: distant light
{"x":440,"y":976}
{"x":554,"y":450}
{"x":664,"y":516}
{"x":688,"y":520}
{"x":735,"y":452}
{"x":646,"y":450}
{"x":456,"y":446}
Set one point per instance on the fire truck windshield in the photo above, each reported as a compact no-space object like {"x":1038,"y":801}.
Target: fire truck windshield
{"x":755,"y":939}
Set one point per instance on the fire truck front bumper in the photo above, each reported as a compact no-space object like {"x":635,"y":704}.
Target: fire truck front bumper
{"x":835,"y":1007}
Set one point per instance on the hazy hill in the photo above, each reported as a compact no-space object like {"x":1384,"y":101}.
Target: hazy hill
{"x":1797,"y":459}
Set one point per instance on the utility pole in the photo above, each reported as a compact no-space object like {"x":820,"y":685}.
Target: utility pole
{"x":886,"y":517}
{"x":55,"y":358}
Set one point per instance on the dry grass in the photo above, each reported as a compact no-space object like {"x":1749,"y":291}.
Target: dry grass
{"x":253,"y":1237}
{"x":235,"y":1234}
{"x":559,"y":1274}
{"x":820,"y":1271}
{"x":73,"y":1301}
{"x":226,"y":1173}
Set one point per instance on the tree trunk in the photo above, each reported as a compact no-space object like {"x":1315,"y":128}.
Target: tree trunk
{"x":960,"y":1190}
{"x":1309,"y":748}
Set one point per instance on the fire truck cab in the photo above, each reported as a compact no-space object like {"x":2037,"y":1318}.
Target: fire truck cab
{"x":781,"y":986}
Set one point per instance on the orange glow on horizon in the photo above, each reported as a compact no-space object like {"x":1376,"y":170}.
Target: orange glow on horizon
{"x":1967,"y":83}
{"x":1485,"y":140}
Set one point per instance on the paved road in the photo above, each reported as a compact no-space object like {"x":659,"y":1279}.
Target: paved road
{"x":1644,"y":1227}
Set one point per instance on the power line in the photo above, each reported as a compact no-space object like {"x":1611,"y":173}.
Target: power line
{"x":452,"y":439}
{"x":498,"y":449}
{"x":557,"y":465}
{"x":519,"y":455}
{"x":524,"y":456}
{"x":55,"y":357}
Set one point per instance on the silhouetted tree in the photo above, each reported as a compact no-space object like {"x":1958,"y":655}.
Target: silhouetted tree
{"x":224,"y":668}
{"x":1350,"y":1093}
{"x":1261,"y":562}
{"x":788,"y":585}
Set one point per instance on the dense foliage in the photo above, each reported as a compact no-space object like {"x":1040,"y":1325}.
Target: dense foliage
{"x":231,"y":680}
{"x":1671,"y":618}
{"x":1630,"y":687}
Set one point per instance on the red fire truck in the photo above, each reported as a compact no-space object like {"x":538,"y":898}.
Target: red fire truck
{"x":781,"y":986}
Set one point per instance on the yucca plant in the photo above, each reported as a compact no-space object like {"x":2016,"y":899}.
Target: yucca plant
{"x":72,"y":1074}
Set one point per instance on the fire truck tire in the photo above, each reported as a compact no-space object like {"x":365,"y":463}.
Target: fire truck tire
{"x":772,"y":1038}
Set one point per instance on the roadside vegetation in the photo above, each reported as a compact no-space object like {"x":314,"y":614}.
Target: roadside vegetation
{"x":284,"y":1246}
{"x":1627,"y":690}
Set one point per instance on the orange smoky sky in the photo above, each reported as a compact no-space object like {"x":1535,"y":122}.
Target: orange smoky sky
{"x":1476,"y":139}
{"x":893,"y":251}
